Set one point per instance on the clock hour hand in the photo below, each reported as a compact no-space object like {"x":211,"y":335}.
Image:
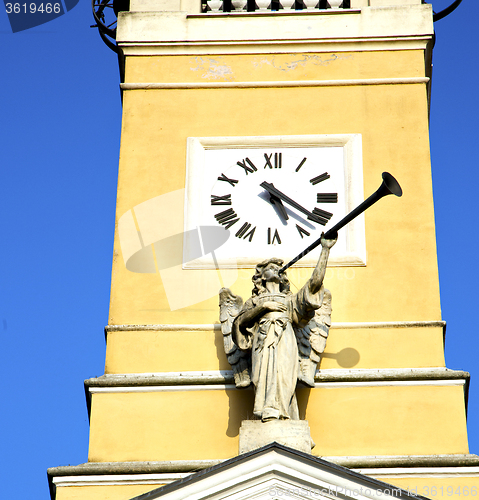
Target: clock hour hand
{"x":278,"y":194}
{"x":279,"y":205}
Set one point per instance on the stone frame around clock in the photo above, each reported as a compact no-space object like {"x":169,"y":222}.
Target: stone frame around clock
{"x":354,"y":232}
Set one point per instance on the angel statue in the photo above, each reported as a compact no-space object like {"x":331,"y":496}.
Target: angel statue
{"x":275,"y":338}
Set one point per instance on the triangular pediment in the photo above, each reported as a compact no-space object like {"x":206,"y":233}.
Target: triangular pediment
{"x":277,"y":472}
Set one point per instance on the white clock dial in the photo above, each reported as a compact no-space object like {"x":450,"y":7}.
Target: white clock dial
{"x":272,"y":199}
{"x":276,"y":196}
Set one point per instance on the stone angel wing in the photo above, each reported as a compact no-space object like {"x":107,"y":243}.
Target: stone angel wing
{"x":240,"y":361}
{"x":312,"y":341}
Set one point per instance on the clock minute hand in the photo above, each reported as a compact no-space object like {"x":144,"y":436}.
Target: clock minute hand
{"x":278,"y":194}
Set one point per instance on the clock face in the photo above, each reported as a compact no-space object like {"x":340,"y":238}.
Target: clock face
{"x":273,"y":201}
{"x":276,"y":196}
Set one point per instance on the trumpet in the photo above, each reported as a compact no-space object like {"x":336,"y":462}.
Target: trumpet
{"x":389,"y":186}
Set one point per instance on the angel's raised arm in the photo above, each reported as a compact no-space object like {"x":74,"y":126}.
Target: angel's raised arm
{"x":319,"y":272}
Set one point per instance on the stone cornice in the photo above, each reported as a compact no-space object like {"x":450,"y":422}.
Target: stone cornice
{"x":275,"y":84}
{"x":377,"y":461}
{"x":226,"y":377}
{"x":217,"y":327}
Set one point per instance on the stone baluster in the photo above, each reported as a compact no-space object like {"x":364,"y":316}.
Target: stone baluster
{"x":310,"y":4}
{"x":215,"y":5}
{"x":288,"y":4}
{"x":238,"y":5}
{"x":263,"y":5}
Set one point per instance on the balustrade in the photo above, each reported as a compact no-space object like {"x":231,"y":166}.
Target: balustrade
{"x":212,"y":6}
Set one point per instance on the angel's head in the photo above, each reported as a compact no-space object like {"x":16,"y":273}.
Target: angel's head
{"x":269,"y":270}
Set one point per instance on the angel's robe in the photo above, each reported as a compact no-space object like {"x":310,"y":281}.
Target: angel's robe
{"x":274,"y":350}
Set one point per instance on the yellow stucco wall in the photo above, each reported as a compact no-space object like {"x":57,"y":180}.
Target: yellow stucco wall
{"x":103,"y":492}
{"x":400,"y":281}
{"x":389,"y":419}
{"x":282,"y":67}
{"x":172,"y":351}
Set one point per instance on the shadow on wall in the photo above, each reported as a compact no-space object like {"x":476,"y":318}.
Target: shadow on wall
{"x":346,"y":358}
{"x":241,"y":401}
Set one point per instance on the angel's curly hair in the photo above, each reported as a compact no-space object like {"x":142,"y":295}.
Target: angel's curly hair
{"x":258,"y":282}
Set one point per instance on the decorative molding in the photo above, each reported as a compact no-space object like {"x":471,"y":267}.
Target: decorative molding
{"x":162,"y":328}
{"x":159,"y":479}
{"x":274,"y":84}
{"x":217,"y":327}
{"x":390,"y":374}
{"x":379,"y":464}
{"x":224,"y":387}
{"x":225,"y":377}
{"x":410,"y":462}
{"x":382,"y":383}
{"x":163,"y":378}
{"x":420,"y":472}
{"x":222,"y":380}
{"x":118,"y":479}
{"x":160,"y":388}
{"x":131,"y":468}
{"x":336,"y":45}
{"x":389,"y":324}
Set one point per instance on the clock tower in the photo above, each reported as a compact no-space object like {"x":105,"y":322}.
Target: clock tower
{"x":247,"y":130}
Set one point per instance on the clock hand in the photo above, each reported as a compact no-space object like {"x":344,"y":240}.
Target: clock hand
{"x":279,"y":205}
{"x":275,"y":192}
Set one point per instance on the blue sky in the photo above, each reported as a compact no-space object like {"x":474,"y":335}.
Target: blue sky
{"x":60,"y":117}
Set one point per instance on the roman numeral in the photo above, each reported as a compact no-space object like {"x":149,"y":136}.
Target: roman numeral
{"x":247,"y":165}
{"x":319,"y":220}
{"x":319,"y":178}
{"x":302,"y":231}
{"x":227,"y":179}
{"x":303,"y":161}
{"x":221,"y":200}
{"x":227,"y":218}
{"x":275,"y":237}
{"x":322,"y":213}
{"x":320,"y":216}
{"x":278,"y":160}
{"x":244,"y":231}
{"x":327,"y":197}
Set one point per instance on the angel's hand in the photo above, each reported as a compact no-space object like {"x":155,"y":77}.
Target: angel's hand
{"x":328,"y":243}
{"x":274,"y":306}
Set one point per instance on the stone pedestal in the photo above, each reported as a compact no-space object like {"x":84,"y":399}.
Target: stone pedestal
{"x":254,"y":434}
